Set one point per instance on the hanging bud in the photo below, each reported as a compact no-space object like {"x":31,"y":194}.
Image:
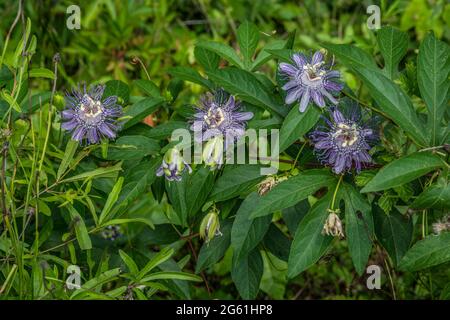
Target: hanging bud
{"x":213,"y":152}
{"x":173,"y":165}
{"x":210,"y":226}
{"x":333,"y":225}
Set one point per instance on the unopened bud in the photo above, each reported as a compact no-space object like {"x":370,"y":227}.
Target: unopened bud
{"x":210,"y":226}
{"x":213,"y":152}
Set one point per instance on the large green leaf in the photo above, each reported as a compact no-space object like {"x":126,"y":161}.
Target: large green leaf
{"x":277,"y":242}
{"x":139,"y":110}
{"x":436,"y":196}
{"x":388,"y":95}
{"x":235,"y":180}
{"x":208,"y":59}
{"x":211,"y":252}
{"x":290,"y":192}
{"x":117,"y":88}
{"x":394,"y":231}
{"x":433,"y":68}
{"x":296,"y":124}
{"x":248,"y":88}
{"x":352,"y":56}
{"x":426,"y":253}
{"x":223,"y":50}
{"x":131,"y":147}
{"x":393,"y":45}
{"x":309,"y":243}
{"x":188,"y":195}
{"x":358,"y":226}
{"x":246,"y":274}
{"x":247,"y":233}
{"x":403,"y":170}
{"x":191,"y":75}
{"x":247,"y":37}
{"x":137,"y":181}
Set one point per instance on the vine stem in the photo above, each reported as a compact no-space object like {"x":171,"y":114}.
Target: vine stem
{"x":335,"y":191}
{"x":298,"y":155}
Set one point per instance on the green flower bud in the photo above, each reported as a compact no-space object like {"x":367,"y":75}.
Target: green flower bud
{"x":213,"y":152}
{"x":210,"y":226}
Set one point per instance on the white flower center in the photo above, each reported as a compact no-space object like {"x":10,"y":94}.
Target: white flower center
{"x":214,"y":117}
{"x":346,"y":135}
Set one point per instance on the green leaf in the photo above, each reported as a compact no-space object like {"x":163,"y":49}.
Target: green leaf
{"x":96,"y":282}
{"x":352,"y":56}
{"x":394,"y":231}
{"x":132,"y":266}
{"x":264,"y":55}
{"x":296,"y":124}
{"x":309,"y":243}
{"x":213,"y":251}
{"x":131,"y":147}
{"x":277,"y":242}
{"x":156,"y":260}
{"x":165,"y":130}
{"x":247,"y":233}
{"x":247,"y":37}
{"x":436,"y":196}
{"x":148,"y":87}
{"x":41,"y":73}
{"x":80,"y":229}
{"x":404,"y":170}
{"x":71,"y":147}
{"x":426,"y":253}
{"x":171,"y":275}
{"x":388,"y":95}
{"x":188,"y":195}
{"x":129,"y":220}
{"x":117,"y":88}
{"x":291,"y":191}
{"x":139,"y":110}
{"x":282,"y":54}
{"x":110,"y":201}
{"x":358,"y":226}
{"x":393,"y":46}
{"x":136,"y":182}
{"x":235,"y":180}
{"x":191,"y":75}
{"x":102,"y":172}
{"x":246,"y":274}
{"x":5,"y":95}
{"x":222,"y":50}
{"x":206,"y":58}
{"x":433,"y":68}
{"x":248,"y":88}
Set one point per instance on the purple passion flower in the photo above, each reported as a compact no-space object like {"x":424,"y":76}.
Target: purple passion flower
{"x":218,"y":116}
{"x":90,"y":118}
{"x":344,"y":143}
{"x":309,"y":79}
{"x":173,"y":165}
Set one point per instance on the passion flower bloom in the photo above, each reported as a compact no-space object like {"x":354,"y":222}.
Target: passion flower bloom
{"x":218,"y":115}
{"x":173,"y":165}
{"x":90,"y":118}
{"x":309,"y":79}
{"x":344,"y":143}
